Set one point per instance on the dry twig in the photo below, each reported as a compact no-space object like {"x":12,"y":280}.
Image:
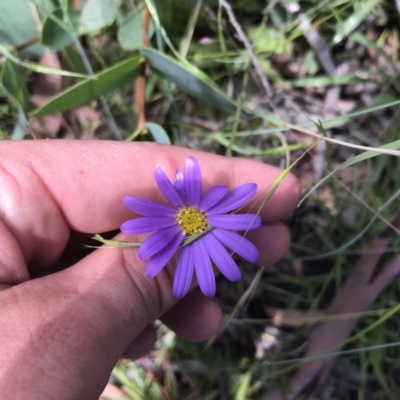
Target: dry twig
{"x":249,"y":48}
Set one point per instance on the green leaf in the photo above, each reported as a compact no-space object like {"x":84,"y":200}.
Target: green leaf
{"x":18,"y":26}
{"x":244,"y":385}
{"x":130,"y":32}
{"x":97,"y":14}
{"x":361,"y":10}
{"x":56,"y":33}
{"x":158,"y":133}
{"x":191,"y":80}
{"x":74,"y":60}
{"x":44,"y":7}
{"x":89,"y":89}
{"x":14,"y":83}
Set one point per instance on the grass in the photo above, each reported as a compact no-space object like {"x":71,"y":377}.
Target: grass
{"x":352,"y":200}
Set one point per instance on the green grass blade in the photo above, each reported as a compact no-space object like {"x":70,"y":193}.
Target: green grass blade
{"x":115,"y":243}
{"x":39,"y":67}
{"x":361,"y":157}
{"x":358,"y":236}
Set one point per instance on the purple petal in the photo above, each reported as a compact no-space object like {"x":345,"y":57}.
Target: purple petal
{"x":148,"y":208}
{"x":157,"y":241}
{"x":179,"y":184}
{"x":238,"y":244}
{"x":234,"y":199}
{"x":204,"y":269}
{"x":147,"y":224}
{"x":167,"y":188}
{"x":158,"y":262}
{"x":235,"y":222}
{"x":192,"y":181}
{"x":221,"y":258}
{"x":212,"y":197}
{"x":184,"y":272}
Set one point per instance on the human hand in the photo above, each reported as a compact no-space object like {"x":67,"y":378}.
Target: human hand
{"x":62,"y":333}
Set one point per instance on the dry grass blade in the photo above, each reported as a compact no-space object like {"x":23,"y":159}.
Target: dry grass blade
{"x":360,"y":289}
{"x":294,"y":318}
{"x":341,"y":142}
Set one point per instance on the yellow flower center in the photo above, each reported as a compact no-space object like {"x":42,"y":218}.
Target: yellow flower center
{"x":191,"y":220}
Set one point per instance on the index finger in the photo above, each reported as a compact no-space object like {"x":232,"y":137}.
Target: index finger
{"x":88,"y":180}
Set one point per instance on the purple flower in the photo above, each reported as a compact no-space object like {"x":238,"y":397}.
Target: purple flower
{"x":192,"y":215}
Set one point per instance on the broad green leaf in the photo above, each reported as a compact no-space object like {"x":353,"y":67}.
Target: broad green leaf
{"x":158,"y":133}
{"x":15,"y":85}
{"x":89,"y":89}
{"x":190,"y":79}
{"x":97,"y":14}
{"x":361,"y":157}
{"x":39,"y":67}
{"x":18,"y":26}
{"x":130,"y":32}
{"x":361,"y":10}
{"x":74,"y":60}
{"x":56,"y":33}
{"x":44,"y":7}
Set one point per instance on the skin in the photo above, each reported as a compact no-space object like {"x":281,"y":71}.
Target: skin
{"x":62,"y":333}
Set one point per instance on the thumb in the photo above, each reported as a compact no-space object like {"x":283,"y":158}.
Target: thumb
{"x":84,"y":317}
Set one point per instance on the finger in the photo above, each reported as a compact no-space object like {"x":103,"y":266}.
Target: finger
{"x":13,"y":268}
{"x":272,"y":240}
{"x":83,"y":183}
{"x":195,"y":318}
{"x":142,"y":344}
{"x":97,"y":308}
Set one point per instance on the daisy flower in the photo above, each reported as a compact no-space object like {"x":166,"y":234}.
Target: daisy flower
{"x":192,"y":215}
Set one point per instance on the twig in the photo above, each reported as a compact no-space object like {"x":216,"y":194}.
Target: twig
{"x":239,"y":305}
{"x":249,"y":48}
